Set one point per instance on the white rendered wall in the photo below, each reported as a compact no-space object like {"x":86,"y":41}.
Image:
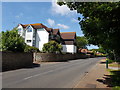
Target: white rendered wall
{"x":22,"y":33}
{"x":42,"y":37}
{"x":69,"y":48}
{"x":75,"y":49}
{"x":29,"y":36}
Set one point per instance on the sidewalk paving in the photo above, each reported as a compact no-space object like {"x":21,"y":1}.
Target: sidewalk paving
{"x":94,"y":78}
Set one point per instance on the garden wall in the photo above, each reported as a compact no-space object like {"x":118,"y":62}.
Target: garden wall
{"x":49,"y":57}
{"x":11,"y":60}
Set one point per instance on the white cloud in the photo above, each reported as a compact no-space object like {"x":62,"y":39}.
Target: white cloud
{"x":75,"y":20}
{"x":19,"y":16}
{"x":63,"y":26}
{"x":51,"y":22}
{"x":62,"y":10}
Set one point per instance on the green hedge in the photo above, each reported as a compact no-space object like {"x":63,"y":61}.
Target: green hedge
{"x":31,"y":49}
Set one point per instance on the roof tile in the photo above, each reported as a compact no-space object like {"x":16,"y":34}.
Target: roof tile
{"x":68,"y":35}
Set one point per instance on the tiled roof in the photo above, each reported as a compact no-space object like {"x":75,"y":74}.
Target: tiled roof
{"x":55,"y":31}
{"x":85,"y":50}
{"x":68,"y":35}
{"x":49,"y":29}
{"x":35,"y":26}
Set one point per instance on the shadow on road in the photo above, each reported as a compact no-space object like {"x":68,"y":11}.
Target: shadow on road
{"x":34,"y":65}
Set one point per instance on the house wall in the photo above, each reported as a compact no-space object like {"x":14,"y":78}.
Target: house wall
{"x":42,"y":37}
{"x":69,"y":48}
{"x":29,"y":36}
{"x":22,"y":31}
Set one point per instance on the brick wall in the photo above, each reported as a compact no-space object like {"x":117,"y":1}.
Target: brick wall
{"x":49,"y":57}
{"x":11,"y":60}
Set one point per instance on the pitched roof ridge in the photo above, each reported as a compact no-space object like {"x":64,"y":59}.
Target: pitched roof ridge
{"x":33,"y":24}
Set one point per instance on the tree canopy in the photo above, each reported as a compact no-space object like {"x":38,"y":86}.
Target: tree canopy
{"x":52,"y":47}
{"x":100,"y":23}
{"x":81,"y":42}
{"x":12,"y":41}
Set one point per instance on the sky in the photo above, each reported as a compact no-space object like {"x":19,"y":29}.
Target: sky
{"x":48,"y":13}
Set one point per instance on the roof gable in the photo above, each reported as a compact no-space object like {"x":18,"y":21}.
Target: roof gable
{"x":56,"y":31}
{"x":35,"y":26}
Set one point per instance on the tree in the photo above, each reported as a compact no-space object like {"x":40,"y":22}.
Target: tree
{"x":81,"y":42}
{"x":52,"y":47}
{"x":12,"y":41}
{"x":100,"y":23}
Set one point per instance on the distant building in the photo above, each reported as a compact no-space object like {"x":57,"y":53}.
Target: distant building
{"x":83,"y":50}
{"x":38,"y":34}
{"x":69,"y":42}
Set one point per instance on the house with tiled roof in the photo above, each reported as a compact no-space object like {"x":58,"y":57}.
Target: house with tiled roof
{"x":68,"y":42}
{"x":38,"y":34}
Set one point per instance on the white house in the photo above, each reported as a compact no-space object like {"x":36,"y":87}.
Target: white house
{"x":38,"y":34}
{"x":69,"y":42}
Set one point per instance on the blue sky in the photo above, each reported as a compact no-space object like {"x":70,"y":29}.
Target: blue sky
{"x":47,"y":13}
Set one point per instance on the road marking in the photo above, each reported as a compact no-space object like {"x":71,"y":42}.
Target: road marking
{"x":37,"y":75}
{"x":48,"y":71}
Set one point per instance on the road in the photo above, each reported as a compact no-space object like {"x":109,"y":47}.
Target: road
{"x":49,"y":75}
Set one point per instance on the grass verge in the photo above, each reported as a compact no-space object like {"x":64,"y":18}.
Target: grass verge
{"x":115,"y":79}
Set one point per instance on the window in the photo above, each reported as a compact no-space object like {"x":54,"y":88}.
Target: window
{"x":33,"y":42}
{"x":29,"y":29}
{"x":28,"y":41}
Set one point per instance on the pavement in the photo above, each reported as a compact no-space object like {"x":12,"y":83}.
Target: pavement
{"x":95,"y":78}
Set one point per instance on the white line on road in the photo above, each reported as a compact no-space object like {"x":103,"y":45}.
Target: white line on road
{"x":38,"y":75}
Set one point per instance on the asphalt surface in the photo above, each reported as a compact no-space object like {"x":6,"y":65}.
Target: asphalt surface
{"x":49,"y":75}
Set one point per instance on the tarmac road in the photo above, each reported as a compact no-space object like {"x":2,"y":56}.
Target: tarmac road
{"x":49,"y":75}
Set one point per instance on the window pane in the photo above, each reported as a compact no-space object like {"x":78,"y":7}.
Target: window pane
{"x":29,"y":30}
{"x":28,"y":41}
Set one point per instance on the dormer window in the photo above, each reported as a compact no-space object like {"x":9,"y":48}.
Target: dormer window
{"x":29,"y":29}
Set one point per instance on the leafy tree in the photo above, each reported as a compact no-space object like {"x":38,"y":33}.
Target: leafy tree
{"x":52,"y":47}
{"x":100,"y":23}
{"x":12,"y":41}
{"x":81,"y":42}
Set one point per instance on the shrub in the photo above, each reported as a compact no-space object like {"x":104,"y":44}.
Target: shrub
{"x":11,"y":41}
{"x":31,"y":49}
{"x":52,"y":47}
